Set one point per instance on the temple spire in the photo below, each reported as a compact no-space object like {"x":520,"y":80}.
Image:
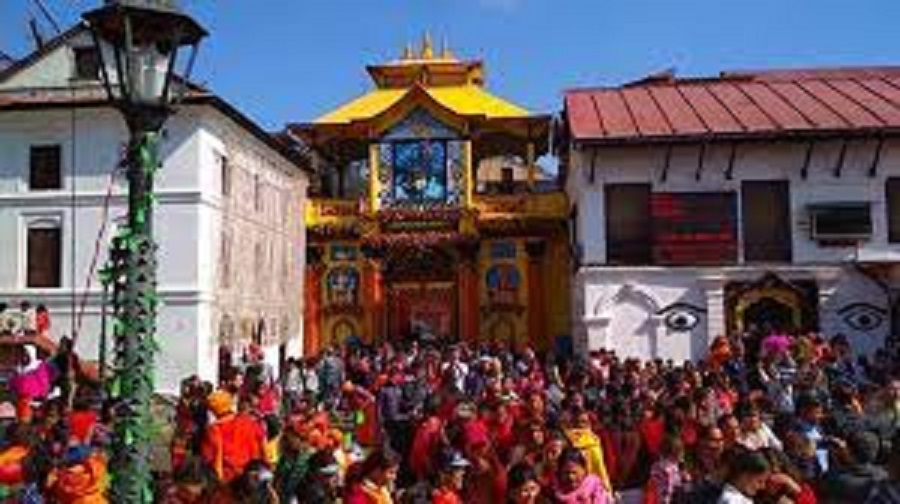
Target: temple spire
{"x":408,"y":53}
{"x":427,"y":47}
{"x":445,"y":50}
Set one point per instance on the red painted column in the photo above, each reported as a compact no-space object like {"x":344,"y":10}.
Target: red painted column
{"x":537,"y":319}
{"x":312,"y":308}
{"x":373,"y":297}
{"x":468,"y":296}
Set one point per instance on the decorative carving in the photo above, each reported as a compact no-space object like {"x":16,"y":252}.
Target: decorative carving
{"x":342,"y":285}
{"x":503,"y":282}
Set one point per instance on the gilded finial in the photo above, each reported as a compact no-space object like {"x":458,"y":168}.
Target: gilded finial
{"x":427,"y":48}
{"x":408,"y":53}
{"x":445,"y":50}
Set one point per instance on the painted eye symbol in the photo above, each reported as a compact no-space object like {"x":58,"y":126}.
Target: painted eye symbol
{"x":681,"y":317}
{"x":863,"y":317}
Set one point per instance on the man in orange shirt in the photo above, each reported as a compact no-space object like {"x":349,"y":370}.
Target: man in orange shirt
{"x":233,"y":440}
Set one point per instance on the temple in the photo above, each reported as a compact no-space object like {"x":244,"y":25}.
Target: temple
{"x":429,"y":216}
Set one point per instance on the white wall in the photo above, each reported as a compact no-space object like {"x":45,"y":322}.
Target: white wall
{"x":619,"y":306}
{"x":760,"y":161}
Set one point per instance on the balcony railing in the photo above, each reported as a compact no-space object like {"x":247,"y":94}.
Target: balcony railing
{"x":332,"y":212}
{"x":550,"y":205}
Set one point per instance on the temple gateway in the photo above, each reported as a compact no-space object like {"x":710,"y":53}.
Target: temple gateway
{"x":429,"y":216}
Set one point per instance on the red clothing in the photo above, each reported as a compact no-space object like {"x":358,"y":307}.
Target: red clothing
{"x":807,"y":495}
{"x":367,"y":431}
{"x":424,"y":447}
{"x":442,"y":496}
{"x":610,"y":453}
{"x":232,"y":442}
{"x":653,"y":430}
{"x":42,"y":323}
{"x":268,"y":401}
{"x":364,"y":493}
{"x":81,"y":425}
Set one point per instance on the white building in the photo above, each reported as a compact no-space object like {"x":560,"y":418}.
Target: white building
{"x":708,"y":206}
{"x":228,"y":221}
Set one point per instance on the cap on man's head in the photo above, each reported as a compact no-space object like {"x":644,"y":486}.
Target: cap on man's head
{"x":454,"y":460}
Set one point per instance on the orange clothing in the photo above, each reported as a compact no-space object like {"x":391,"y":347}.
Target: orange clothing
{"x":368,"y":493}
{"x":445,"y":497}
{"x":82,"y":483}
{"x":231,"y":443}
{"x":11,"y":465}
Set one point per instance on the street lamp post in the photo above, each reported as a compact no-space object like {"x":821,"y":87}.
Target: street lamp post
{"x":138,"y":42}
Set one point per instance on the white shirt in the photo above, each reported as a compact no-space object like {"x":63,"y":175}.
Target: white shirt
{"x":731,"y":495}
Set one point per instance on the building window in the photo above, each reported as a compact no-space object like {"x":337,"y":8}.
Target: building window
{"x":841,"y":223}
{"x":225,"y":169}
{"x":892,"y":190}
{"x":766,"y":210}
{"x":257,"y":193}
{"x":225,"y":261}
{"x":628,"y":224}
{"x":45,"y":173}
{"x":44,"y":256}
{"x":87,"y":63}
{"x":694,"y":228}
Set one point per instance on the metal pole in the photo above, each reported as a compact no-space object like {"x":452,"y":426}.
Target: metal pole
{"x":136,"y":307}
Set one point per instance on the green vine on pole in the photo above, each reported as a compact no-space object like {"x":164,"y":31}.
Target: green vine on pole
{"x":131,"y":272}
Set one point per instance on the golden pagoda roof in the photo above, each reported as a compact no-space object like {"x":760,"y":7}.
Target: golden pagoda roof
{"x":468,"y":100}
{"x":455,"y":85}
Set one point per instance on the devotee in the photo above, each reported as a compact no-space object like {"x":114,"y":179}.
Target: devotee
{"x":375,"y":480}
{"x":852,"y":480}
{"x":451,"y":479}
{"x":747,"y":474}
{"x":233,"y":440}
{"x":575,"y":484}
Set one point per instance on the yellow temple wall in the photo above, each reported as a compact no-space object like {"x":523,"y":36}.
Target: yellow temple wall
{"x":499,"y":322}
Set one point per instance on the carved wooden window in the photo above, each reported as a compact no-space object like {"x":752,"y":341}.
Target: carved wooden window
{"x":44,"y":257}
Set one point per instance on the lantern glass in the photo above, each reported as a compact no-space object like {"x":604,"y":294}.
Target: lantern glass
{"x":148,"y":75}
{"x":139,"y":41}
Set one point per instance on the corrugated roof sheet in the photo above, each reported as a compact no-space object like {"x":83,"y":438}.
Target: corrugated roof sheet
{"x":738,"y":104}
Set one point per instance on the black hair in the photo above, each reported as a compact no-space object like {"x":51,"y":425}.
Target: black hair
{"x":520,"y":474}
{"x":747,"y":462}
{"x":571,"y":455}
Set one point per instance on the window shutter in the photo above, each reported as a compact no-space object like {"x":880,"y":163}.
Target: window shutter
{"x":45,"y":173}
{"x":44,"y":258}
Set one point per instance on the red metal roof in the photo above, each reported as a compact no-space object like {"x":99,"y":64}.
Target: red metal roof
{"x":739,"y":104}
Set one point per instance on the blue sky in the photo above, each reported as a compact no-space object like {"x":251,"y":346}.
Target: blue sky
{"x":292,"y":60}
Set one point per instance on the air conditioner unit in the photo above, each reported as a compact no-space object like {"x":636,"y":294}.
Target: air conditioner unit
{"x":840,"y":222}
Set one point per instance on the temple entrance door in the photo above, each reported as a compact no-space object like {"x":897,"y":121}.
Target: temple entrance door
{"x":421,"y":293}
{"x":771,"y":304}
{"x":769,"y":313}
{"x":421,"y":309}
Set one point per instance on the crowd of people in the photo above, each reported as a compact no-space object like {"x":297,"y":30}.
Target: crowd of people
{"x":780,"y":419}
{"x":27,"y":320}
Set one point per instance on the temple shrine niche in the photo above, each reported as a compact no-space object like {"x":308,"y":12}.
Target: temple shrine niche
{"x":430,"y":216}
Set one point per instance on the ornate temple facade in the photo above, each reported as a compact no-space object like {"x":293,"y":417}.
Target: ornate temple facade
{"x":429,"y":215}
